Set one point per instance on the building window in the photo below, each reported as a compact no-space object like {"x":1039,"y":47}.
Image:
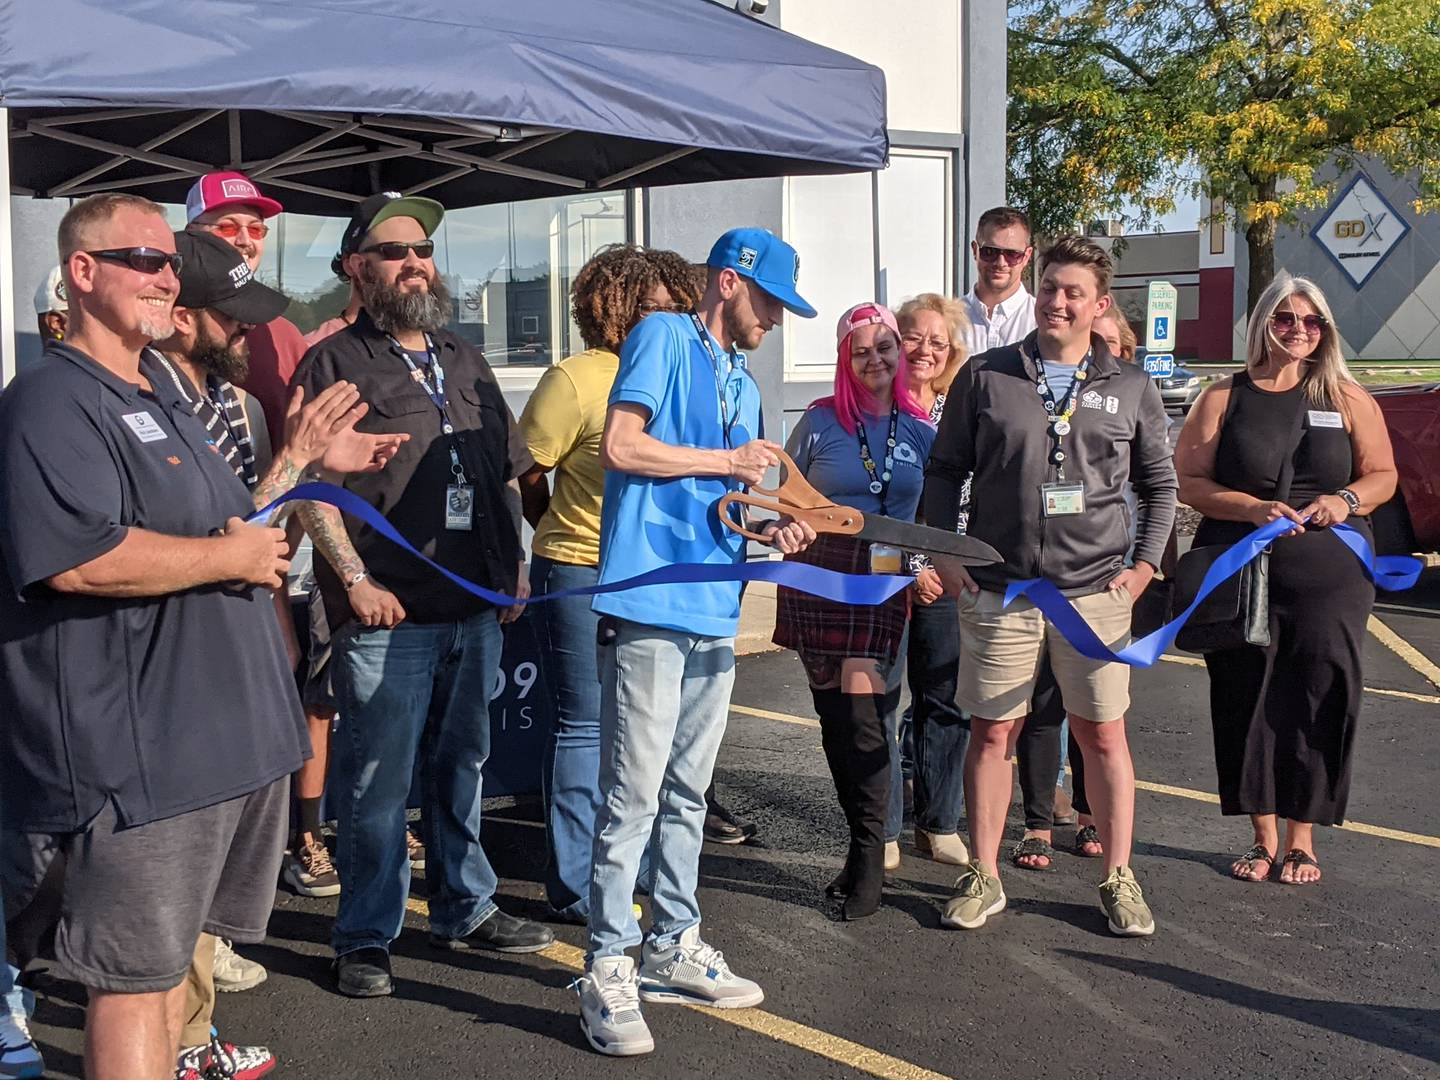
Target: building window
{"x":508,"y":268}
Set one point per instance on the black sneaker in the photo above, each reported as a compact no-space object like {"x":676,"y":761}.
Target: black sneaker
{"x":363,"y":973}
{"x":500,"y":933}
{"x":723,"y":827}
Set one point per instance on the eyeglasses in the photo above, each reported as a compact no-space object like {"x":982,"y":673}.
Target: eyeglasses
{"x":989,"y":253}
{"x":395,"y":250}
{"x":649,"y":307}
{"x":1286,"y":320}
{"x":144,"y":260}
{"x":914,"y":341}
{"x":256,"y":230}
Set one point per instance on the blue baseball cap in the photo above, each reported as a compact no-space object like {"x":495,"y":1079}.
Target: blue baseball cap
{"x":761,"y":256}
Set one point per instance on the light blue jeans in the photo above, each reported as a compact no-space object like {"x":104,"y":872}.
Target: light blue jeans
{"x":419,"y":690}
{"x":664,"y":702}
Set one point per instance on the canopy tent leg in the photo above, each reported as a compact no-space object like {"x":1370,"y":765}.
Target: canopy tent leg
{"x":8,"y":330}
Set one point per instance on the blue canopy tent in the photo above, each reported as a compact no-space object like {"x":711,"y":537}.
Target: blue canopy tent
{"x":469,"y":101}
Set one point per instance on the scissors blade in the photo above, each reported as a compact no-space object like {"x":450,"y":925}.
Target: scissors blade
{"x":965,"y":549}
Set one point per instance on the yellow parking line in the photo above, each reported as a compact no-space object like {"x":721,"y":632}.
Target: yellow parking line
{"x":821,"y":1043}
{"x":1160,"y":789}
{"x":1407,"y":652}
{"x":1424,"y":699}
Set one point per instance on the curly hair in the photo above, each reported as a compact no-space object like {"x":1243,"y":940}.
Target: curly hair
{"x":607,"y":291}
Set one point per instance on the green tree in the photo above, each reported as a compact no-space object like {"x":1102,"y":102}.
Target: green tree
{"x":1119,"y":106}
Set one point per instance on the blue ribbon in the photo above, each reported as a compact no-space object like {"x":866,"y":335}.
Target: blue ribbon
{"x":1392,"y":573}
{"x":862,"y":589}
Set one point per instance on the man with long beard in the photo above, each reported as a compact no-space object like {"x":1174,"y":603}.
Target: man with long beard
{"x":414,"y":654}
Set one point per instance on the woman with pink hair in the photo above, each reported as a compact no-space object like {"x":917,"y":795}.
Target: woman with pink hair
{"x":866,"y":447}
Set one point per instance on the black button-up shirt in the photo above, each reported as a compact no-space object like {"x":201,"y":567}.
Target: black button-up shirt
{"x":161,"y":704}
{"x":411,"y":490}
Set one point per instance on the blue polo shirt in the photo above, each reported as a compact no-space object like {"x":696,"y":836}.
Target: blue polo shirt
{"x":158,"y":704}
{"x":647,"y":523}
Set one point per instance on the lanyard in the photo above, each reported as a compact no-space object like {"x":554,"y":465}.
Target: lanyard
{"x":719,"y":378}
{"x":433,"y":383}
{"x":879,"y":485}
{"x":1058,"y":414}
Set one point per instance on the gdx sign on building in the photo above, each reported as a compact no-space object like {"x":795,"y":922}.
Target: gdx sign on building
{"x":1360,"y":229}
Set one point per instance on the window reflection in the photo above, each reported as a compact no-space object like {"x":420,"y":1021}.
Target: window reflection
{"x":508,"y":267}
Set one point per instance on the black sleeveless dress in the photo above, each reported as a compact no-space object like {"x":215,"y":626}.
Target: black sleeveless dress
{"x":1285,"y":716}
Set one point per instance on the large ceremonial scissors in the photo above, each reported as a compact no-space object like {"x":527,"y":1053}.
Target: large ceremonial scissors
{"x":795,"y":498}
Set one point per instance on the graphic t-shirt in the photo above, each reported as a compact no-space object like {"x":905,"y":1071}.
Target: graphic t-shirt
{"x":829,"y":456}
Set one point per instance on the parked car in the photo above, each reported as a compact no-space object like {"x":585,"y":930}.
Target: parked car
{"x":1410,"y":522}
{"x":1180,"y":388}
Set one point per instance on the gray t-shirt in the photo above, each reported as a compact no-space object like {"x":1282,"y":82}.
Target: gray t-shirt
{"x":829,"y":456}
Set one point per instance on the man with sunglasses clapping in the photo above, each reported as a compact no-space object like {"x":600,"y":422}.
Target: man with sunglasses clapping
{"x":416,"y":657}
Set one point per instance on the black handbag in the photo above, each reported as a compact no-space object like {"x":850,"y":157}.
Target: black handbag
{"x":1237,"y":612}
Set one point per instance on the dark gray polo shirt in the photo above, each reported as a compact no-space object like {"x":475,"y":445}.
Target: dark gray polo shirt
{"x":163,"y":704}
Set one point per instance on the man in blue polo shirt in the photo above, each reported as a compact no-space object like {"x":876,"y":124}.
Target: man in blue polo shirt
{"x":683,"y":429}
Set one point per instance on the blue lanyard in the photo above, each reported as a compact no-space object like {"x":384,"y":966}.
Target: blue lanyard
{"x":725,"y":424}
{"x":433,"y":384}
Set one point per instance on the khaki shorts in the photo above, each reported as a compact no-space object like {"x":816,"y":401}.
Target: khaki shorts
{"x":1000,"y":654}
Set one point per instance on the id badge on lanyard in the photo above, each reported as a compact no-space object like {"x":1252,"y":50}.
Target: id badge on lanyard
{"x":459,"y":509}
{"x":1060,"y":498}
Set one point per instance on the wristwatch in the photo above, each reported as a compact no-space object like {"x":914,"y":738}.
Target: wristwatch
{"x":1351,"y":499}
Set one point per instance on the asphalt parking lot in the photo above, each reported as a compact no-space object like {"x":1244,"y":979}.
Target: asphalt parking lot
{"x":1261,"y":980}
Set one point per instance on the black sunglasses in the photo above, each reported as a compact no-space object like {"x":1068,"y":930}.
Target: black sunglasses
{"x":395,"y":250}
{"x":1313,"y":324}
{"x":989,"y":253}
{"x":145,"y":260}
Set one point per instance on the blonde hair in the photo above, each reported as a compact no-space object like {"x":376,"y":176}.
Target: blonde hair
{"x":953,"y":312}
{"x":1128,"y":341}
{"x":1326,"y":372}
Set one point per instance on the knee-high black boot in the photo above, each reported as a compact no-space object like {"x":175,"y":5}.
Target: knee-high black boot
{"x":868,"y":758}
{"x":834,"y":710}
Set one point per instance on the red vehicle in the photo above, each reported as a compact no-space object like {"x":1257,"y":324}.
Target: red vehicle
{"x":1411,"y":521}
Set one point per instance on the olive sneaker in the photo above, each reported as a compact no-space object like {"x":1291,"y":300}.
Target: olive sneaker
{"x":977,"y":896}
{"x":1125,"y":905}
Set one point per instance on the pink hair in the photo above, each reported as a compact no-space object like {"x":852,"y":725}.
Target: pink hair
{"x":852,"y":399}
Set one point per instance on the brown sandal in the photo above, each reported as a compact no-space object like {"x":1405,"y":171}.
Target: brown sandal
{"x":1296,"y":858}
{"x":1251,"y":859}
{"x":1089,"y":834}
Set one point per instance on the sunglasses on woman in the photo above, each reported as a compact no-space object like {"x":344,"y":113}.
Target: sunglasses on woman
{"x":1286,"y":320}
{"x":395,"y":250}
{"x":144,"y":260}
{"x":990,"y":253}
{"x":256,"y":230}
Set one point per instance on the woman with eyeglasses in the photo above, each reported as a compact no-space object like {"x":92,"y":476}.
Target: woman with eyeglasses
{"x":562,"y":425}
{"x":1293,"y":437}
{"x":864,"y":446}
{"x":932,"y":332}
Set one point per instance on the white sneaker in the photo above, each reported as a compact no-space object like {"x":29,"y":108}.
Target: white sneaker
{"x":694,"y":973}
{"x":233,"y":972}
{"x":19,"y":1057}
{"x":610,"y":1008}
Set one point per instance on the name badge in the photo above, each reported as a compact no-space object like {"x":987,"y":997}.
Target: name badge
{"x":1325,"y":419}
{"x":459,"y":507}
{"x":1061,"y":500}
{"x":146,"y":428}
{"x":885,"y":559}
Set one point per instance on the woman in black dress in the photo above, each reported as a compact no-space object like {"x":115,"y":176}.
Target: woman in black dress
{"x":1285,"y":715}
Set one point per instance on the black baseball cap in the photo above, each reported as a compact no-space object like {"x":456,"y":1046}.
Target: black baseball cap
{"x":384,"y":206}
{"x":215,"y":275}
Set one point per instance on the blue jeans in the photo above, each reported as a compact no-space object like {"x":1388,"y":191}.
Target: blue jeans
{"x":570,"y":770}
{"x":419,"y":690}
{"x":941,"y":731}
{"x":664,"y":702}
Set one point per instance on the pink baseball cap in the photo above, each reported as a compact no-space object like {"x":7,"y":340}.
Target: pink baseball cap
{"x":866,"y":314}
{"x":220,"y":189}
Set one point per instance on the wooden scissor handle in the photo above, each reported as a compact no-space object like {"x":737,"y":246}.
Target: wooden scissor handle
{"x":794,"y":498}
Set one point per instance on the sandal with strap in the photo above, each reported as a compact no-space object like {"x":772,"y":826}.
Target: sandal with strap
{"x":1031,"y":847}
{"x":1295,"y":858}
{"x":1246,"y":866}
{"x":1088,"y":835}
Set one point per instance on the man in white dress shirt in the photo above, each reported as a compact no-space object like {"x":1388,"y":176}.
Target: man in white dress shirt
{"x":1000,"y":308}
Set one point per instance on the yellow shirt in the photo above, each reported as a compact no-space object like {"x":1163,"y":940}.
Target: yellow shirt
{"x":562,"y":424}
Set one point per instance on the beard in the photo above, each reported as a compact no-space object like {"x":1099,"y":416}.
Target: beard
{"x":745,"y":332}
{"x":394,"y":309}
{"x":157,"y":327}
{"x":228,"y":363}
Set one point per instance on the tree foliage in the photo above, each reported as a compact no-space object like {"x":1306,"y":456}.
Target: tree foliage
{"x":1119,"y":106}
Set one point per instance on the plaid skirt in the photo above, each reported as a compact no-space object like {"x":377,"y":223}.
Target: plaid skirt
{"x":817,"y":627}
